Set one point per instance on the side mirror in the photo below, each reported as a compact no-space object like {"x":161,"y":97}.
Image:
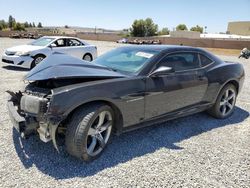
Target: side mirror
{"x":161,"y":71}
{"x":52,"y":45}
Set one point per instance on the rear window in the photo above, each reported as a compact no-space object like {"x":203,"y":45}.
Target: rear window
{"x":205,"y":60}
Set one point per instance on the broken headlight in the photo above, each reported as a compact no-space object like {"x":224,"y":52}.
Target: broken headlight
{"x":33,"y":104}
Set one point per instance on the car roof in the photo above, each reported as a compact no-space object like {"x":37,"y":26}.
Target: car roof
{"x":164,"y":48}
{"x":57,"y":37}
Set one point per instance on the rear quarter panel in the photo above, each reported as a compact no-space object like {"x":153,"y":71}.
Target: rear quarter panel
{"x":219,"y":75}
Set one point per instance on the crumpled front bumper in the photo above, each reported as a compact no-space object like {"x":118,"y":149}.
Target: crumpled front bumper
{"x":17,"y":120}
{"x":24,"y":125}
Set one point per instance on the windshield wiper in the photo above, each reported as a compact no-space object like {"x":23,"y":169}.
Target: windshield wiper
{"x":110,"y":68}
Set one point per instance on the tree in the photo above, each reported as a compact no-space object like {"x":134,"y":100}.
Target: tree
{"x":164,"y":31}
{"x":30,"y":25}
{"x":66,"y":26}
{"x":11,"y":21}
{"x":151,"y":27}
{"x":181,"y":27}
{"x":19,"y":27}
{"x":3,"y":25}
{"x":197,"y":28}
{"x":39,"y":25}
{"x":142,"y":28}
{"x":33,"y":24}
{"x":26,"y":24}
{"x":137,"y":29}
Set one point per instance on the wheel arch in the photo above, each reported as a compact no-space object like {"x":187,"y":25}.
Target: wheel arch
{"x":118,"y":124}
{"x":231,"y":81}
{"x":88,"y":53}
{"x":39,"y":54}
{"x":235,"y":83}
{"x":34,"y":56}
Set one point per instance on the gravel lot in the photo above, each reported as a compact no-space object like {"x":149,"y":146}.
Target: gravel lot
{"x":195,"y":151}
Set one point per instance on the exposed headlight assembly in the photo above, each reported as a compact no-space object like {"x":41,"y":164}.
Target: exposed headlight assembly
{"x":34,"y":105}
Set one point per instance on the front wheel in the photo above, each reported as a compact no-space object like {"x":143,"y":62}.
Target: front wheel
{"x":87,"y":57}
{"x":89,"y":131}
{"x":225,"y":102}
{"x":37,"y":60}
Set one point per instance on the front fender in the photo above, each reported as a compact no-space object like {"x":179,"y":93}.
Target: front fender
{"x":127,"y":95}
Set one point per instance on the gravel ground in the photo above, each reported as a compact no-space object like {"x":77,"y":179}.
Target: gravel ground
{"x":195,"y":151}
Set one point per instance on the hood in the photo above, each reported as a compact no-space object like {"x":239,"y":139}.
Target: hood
{"x":24,"y":48}
{"x":61,"y":66}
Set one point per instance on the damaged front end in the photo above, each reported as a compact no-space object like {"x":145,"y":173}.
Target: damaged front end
{"x":28,"y":113}
{"x":40,"y":108}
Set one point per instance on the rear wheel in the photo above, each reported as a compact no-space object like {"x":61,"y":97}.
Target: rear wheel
{"x":87,"y":57}
{"x":89,"y":131}
{"x":225,"y":102}
{"x":37,"y":60}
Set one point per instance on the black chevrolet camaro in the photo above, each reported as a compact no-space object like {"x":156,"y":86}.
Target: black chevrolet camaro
{"x":129,"y":87}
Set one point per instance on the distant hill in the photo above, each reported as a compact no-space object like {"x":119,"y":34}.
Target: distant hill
{"x":74,"y":30}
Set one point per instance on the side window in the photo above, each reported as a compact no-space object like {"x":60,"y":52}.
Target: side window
{"x":60,"y":43}
{"x":181,"y":61}
{"x":74,"y":42}
{"x":204,"y":60}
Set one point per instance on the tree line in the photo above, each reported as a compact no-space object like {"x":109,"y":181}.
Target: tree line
{"x":146,"y":28}
{"x":12,"y":24}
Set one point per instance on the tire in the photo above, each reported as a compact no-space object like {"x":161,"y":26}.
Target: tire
{"x":87,"y":57}
{"x":225,"y":102}
{"x":83,"y":139}
{"x":37,"y":60}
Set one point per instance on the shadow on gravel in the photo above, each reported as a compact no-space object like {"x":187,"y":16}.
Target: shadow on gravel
{"x":11,"y":68}
{"x":122,"y":149}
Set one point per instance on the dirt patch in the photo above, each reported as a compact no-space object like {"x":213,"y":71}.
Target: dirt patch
{"x":221,"y":51}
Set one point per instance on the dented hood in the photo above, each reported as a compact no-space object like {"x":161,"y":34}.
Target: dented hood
{"x":61,"y":66}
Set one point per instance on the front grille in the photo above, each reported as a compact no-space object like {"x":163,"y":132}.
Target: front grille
{"x":7,"y":61}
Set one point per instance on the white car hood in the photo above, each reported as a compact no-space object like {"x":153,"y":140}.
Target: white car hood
{"x":24,"y":48}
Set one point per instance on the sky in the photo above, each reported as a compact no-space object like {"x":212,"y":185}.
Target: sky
{"x":120,"y":14}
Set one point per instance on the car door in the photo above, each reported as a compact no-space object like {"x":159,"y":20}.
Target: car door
{"x":76,"y":48}
{"x":60,"y":45}
{"x":183,"y":87}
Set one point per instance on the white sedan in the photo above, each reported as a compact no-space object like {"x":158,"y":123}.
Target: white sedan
{"x":28,"y":56}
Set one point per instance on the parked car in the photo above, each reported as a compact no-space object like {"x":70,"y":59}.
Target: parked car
{"x":124,"y":89}
{"x":123,"y":40}
{"x":149,"y":42}
{"x":15,"y":36}
{"x":28,"y":56}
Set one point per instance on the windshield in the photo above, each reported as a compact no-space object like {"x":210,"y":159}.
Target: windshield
{"x":128,"y":60}
{"x":44,"y":41}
